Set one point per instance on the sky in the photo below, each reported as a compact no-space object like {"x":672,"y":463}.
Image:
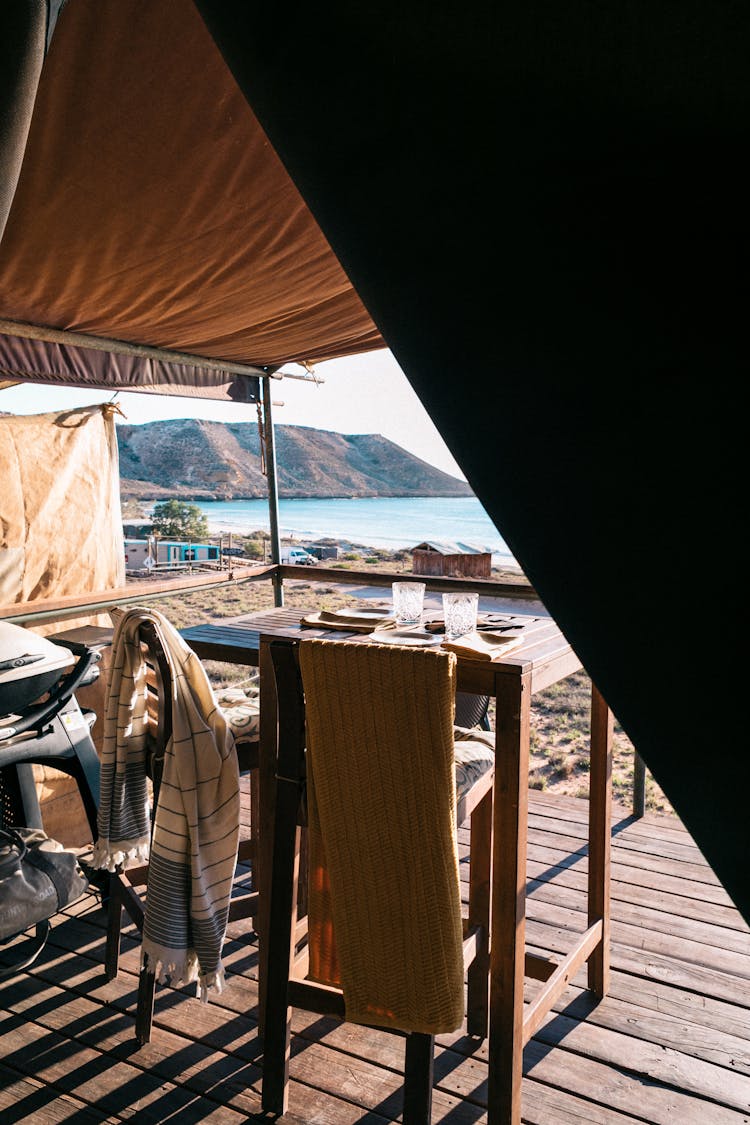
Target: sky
{"x":364,"y":394}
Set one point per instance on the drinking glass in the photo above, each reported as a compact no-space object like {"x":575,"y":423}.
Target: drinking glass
{"x":408,"y":599}
{"x":460,"y":614}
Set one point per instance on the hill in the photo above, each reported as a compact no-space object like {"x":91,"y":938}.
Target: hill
{"x":196,"y":460}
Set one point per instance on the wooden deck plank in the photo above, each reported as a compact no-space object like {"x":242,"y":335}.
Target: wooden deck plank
{"x":659,"y":1063}
{"x":669,"y":1043}
{"x":661,"y":967}
{"x":24,"y":1099}
{"x":652,"y":825}
{"x":663,"y":921}
{"x":649,"y":941}
{"x":664,"y":902}
{"x":633,"y":868}
{"x":546,"y":1105}
{"x":628,"y":1092}
{"x":94,"y":1077}
{"x":631,"y":854}
{"x":684,"y":1032}
{"x":628,"y":833}
{"x":344,"y":1037}
{"x":213,"y":1068}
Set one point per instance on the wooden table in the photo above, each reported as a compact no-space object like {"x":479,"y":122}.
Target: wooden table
{"x":544,"y":658}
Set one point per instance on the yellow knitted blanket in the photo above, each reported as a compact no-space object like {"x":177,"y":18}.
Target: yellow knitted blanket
{"x":385,"y":904}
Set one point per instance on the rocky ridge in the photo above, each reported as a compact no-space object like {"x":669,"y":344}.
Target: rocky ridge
{"x":193,"y":459}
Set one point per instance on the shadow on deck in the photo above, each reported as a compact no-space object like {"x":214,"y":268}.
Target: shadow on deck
{"x":669,"y":1044}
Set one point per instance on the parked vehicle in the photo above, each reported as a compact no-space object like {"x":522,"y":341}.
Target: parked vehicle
{"x":297,"y":556}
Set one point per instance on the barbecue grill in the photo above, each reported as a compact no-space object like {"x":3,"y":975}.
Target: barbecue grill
{"x":41,"y":721}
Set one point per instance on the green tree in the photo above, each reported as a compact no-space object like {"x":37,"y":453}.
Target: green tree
{"x":174,"y":519}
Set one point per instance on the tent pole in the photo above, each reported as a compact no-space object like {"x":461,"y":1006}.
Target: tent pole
{"x":273,"y":495}
{"x":125,"y":347}
{"x":142,"y":351}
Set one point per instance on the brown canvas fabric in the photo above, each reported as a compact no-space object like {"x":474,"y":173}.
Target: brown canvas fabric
{"x":60,"y":520}
{"x":151,"y":207}
{"x":61,"y":533}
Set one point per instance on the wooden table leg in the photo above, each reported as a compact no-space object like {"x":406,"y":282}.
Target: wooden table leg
{"x":600,"y":834}
{"x":508,"y":924}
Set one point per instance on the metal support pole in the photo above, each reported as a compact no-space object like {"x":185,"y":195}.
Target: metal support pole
{"x":639,"y":785}
{"x":273,"y":496}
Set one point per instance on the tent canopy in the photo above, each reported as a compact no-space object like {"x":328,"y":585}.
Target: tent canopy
{"x":152,"y":209}
{"x":544,"y":211}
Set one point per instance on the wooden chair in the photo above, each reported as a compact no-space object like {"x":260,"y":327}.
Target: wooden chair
{"x":129,"y":886}
{"x":367,"y":696}
{"x":472,"y":710}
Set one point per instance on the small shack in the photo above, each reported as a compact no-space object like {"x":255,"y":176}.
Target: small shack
{"x":441,"y":558}
{"x":324,"y":552}
{"x":164,"y":554}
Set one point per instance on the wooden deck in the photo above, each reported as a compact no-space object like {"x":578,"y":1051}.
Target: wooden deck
{"x":669,"y":1044}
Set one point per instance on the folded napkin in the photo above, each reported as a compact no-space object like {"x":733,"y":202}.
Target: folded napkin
{"x":484,"y":645}
{"x":349,"y":620}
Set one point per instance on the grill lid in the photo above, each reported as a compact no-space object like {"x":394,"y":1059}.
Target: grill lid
{"x":24,"y":654}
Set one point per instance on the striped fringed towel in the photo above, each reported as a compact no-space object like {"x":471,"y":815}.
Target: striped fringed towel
{"x":382,"y":833}
{"x":196,"y":829}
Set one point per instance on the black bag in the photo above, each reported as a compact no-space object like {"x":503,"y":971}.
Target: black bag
{"x":37,"y":878}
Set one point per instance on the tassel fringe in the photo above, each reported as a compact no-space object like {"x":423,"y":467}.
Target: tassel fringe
{"x":111,"y":856}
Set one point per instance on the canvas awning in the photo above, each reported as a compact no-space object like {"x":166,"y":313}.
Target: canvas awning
{"x":168,"y":220}
{"x":28,"y":359}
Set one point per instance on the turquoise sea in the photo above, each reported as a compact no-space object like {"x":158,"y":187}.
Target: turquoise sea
{"x":389,"y":522}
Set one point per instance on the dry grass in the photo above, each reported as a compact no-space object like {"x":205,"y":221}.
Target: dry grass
{"x":560,"y":714}
{"x":560,"y":723}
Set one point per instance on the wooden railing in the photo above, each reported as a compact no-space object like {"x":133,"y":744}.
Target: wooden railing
{"x":59,"y":609}
{"x":484,"y":587}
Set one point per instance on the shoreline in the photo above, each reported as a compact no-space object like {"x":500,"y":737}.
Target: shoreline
{"x":394,"y":523}
{"x":291,"y":539}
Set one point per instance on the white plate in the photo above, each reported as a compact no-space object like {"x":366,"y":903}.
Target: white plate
{"x":404,"y":637}
{"x":356,"y":614}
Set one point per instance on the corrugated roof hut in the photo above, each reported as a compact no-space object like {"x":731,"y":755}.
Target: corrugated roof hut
{"x":442,"y":558}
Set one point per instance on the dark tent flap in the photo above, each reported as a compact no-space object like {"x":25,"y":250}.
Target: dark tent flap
{"x":42,"y":361}
{"x":168,"y":220}
{"x":555,"y":229}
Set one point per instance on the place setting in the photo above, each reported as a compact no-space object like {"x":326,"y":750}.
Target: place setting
{"x":460,"y":629}
{"x":349,"y":620}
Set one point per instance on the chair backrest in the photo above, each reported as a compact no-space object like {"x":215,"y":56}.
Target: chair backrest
{"x":472,"y":710}
{"x":384,"y":875}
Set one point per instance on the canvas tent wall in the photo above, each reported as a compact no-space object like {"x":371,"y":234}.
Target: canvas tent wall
{"x":60,"y":519}
{"x":542,"y":209}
